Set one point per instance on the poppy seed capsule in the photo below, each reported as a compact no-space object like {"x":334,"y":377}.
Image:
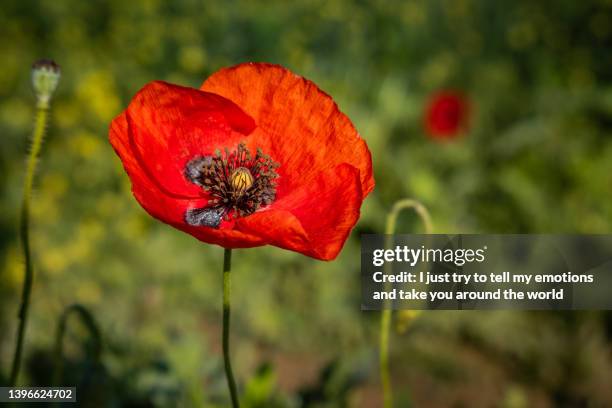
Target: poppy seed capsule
{"x":241,"y":180}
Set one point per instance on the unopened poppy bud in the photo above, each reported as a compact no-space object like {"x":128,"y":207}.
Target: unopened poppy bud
{"x":241,"y":180}
{"x":45,"y":77}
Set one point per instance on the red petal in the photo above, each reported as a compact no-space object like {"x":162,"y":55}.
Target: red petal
{"x":169,"y":125}
{"x":167,"y":208}
{"x":315,"y":219}
{"x":299,"y":125}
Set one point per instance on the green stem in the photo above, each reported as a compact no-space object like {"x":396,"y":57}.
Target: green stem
{"x":227,"y":266}
{"x":385,"y":377}
{"x":385,"y":319}
{"x":39,"y":131}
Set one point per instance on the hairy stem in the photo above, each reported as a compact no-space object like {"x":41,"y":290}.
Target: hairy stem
{"x":385,"y":318}
{"x":227,"y":266}
{"x":39,"y":131}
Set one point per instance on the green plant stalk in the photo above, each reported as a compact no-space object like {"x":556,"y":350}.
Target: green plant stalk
{"x":227,"y":266}
{"x":385,"y":318}
{"x":42,"y":112}
{"x":385,"y":378}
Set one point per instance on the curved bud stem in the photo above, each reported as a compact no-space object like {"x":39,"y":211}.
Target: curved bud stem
{"x":94,"y":331}
{"x":385,"y":318}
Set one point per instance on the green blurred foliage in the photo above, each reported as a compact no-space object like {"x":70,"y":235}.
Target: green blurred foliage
{"x":537,"y":158}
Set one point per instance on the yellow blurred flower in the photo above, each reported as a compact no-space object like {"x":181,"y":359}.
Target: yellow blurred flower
{"x":88,"y":292}
{"x":53,"y":261}
{"x":405,"y":319}
{"x":85,"y":144}
{"x":97,"y":91}
{"x":13,"y":268}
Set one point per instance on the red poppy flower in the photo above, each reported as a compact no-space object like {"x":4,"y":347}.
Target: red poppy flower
{"x":257,"y":156}
{"x":446,"y":115}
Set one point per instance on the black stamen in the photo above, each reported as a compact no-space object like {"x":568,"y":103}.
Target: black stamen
{"x":238,"y":184}
{"x":203,"y":217}
{"x":193,"y":169}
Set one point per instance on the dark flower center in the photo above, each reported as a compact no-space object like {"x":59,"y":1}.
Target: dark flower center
{"x":238,"y":183}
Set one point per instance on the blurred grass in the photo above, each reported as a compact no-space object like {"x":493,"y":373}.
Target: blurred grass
{"x":537,"y":158}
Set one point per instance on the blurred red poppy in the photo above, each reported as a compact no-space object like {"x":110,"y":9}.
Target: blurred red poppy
{"x":257,"y":156}
{"x":446,"y":115}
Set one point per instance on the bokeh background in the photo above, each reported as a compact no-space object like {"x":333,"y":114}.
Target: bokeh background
{"x":537,"y":157}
